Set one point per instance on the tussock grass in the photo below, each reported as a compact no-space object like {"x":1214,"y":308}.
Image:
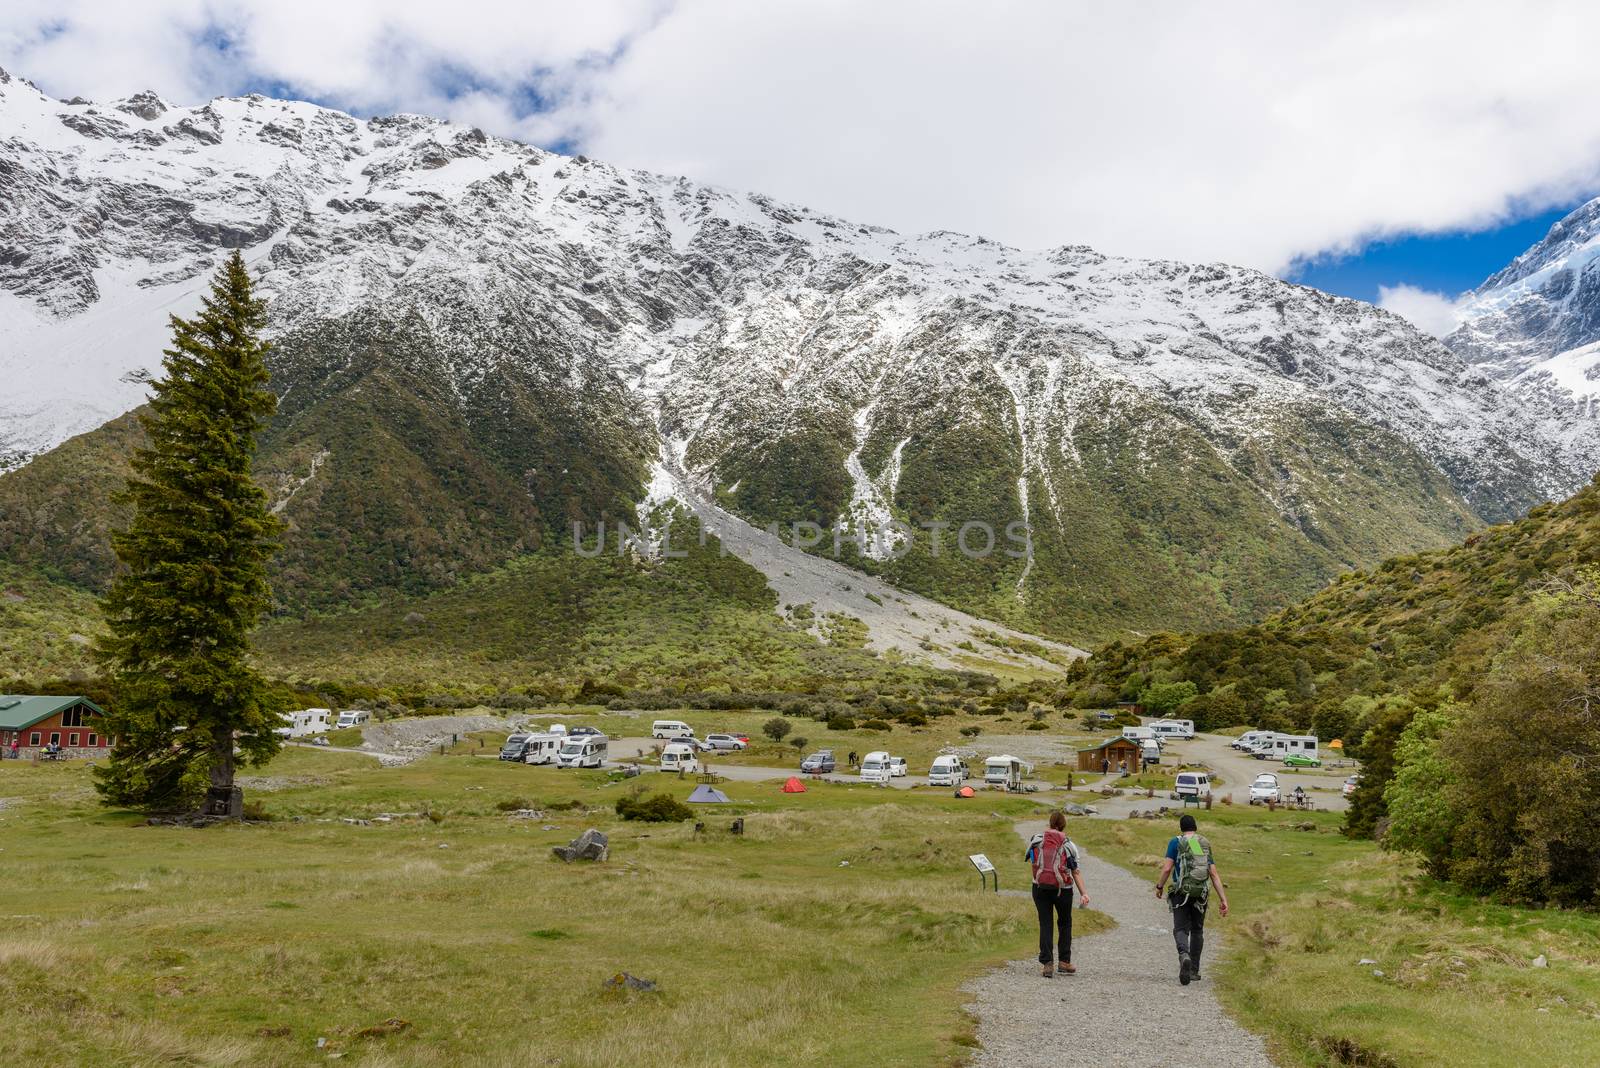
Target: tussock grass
{"x":838,"y":929}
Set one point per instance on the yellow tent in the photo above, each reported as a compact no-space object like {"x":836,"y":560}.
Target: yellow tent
{"x":1336,"y":744}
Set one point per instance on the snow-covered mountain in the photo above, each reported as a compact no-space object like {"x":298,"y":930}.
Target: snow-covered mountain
{"x":1536,"y":324}
{"x":1189,"y":443}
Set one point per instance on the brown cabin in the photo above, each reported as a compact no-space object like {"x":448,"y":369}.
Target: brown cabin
{"x":1116,"y":751}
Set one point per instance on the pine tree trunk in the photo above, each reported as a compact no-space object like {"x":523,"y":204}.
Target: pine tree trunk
{"x":223,"y":798}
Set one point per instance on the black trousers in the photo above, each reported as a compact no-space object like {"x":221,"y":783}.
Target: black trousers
{"x":1055,"y":910}
{"x":1189,"y":928}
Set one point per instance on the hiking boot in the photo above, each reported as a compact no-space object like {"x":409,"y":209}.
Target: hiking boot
{"x":1185,"y":969}
{"x":1066,"y":968}
{"x":1048,"y":971}
{"x":1194,"y":974}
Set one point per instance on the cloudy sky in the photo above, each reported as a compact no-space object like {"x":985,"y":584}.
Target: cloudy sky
{"x":1392,"y":150}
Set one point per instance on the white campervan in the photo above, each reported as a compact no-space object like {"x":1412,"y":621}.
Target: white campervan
{"x":1173,"y":728}
{"x":1195,"y":784}
{"x":542,"y":748}
{"x":1150,"y":751}
{"x":1005,"y":770}
{"x":353,"y":717}
{"x":1286,"y":745}
{"x":947,"y":770}
{"x":876,"y":767}
{"x":304,"y":722}
{"x":1265,"y":745}
{"x":1248,"y":739}
{"x":671,"y":728}
{"x":679,"y":757}
{"x":1138,"y":734}
{"x":588,"y":751}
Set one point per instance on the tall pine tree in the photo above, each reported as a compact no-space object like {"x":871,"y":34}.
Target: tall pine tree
{"x":192,"y":576}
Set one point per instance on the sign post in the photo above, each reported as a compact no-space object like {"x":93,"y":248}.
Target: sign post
{"x":985,"y":869}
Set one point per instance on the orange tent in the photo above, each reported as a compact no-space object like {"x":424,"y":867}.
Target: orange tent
{"x":794,"y":786}
{"x":965,"y":791}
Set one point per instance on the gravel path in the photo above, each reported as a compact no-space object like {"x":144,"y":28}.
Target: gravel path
{"x":1125,"y":1001}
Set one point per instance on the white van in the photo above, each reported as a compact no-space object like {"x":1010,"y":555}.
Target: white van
{"x":1150,"y":751}
{"x":353,"y":717}
{"x":1173,"y":728}
{"x":875,"y":767}
{"x":1195,"y":784}
{"x":1005,"y":770}
{"x":680,"y":758}
{"x":586,"y":752}
{"x":1265,"y":744}
{"x":1138,"y":734}
{"x":1247,"y":740}
{"x":544,"y":748}
{"x":947,"y":770}
{"x":671,"y":728}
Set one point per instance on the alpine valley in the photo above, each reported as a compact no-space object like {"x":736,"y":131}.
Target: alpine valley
{"x":479,"y":343}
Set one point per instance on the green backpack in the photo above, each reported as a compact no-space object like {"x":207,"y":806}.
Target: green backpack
{"x":1191,"y":873}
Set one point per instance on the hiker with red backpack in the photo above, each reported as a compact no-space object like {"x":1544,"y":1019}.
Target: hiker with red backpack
{"x":1055,"y":872}
{"x":1193,"y":874}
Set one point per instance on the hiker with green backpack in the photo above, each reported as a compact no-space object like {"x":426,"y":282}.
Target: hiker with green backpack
{"x":1194,"y":873}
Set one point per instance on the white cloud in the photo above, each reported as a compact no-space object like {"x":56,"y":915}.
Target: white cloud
{"x":1250,"y":132}
{"x":1432,"y":313}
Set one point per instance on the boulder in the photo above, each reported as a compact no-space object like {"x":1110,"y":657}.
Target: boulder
{"x":1072,"y":808}
{"x":590,"y":845}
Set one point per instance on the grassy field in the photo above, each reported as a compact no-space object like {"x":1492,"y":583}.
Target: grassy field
{"x":839,"y":928}
{"x":1453,"y":980}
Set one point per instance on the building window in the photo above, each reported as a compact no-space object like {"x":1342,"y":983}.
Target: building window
{"x":72,"y":739}
{"x":33,"y":739}
{"x":72,"y":717}
{"x":94,"y":740}
{"x":55,"y":737}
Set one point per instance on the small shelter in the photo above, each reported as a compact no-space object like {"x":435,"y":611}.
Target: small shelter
{"x":966,"y":791}
{"x":1113,"y":753}
{"x":794,"y":786}
{"x":707,"y":795}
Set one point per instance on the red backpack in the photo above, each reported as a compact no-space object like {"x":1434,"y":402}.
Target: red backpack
{"x":1050,"y":856}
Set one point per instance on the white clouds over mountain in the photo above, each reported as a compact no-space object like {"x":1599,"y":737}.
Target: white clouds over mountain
{"x":1248,"y":132}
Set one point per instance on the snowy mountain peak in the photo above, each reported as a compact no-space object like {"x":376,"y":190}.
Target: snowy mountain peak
{"x":794,"y":360}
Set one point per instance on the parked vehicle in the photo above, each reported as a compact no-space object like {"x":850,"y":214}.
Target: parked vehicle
{"x":514,"y":746}
{"x":947,"y":770}
{"x":726,"y":741}
{"x":542,"y":748}
{"x":897,"y":767}
{"x":1350,"y":785}
{"x":304,"y":722}
{"x":1173,"y":728}
{"x":1005,"y":770}
{"x":353,"y":717}
{"x":1265,"y":789}
{"x":1265,"y":745}
{"x":1138,"y":734}
{"x":1247,"y":741}
{"x":679,"y":757}
{"x":581,"y":732}
{"x":818,"y":763}
{"x":588,"y":751}
{"x":1150,"y":752}
{"x":1282,"y":746}
{"x":1302,"y":760}
{"x":671,"y":728}
{"x":557,"y":728}
{"x":875,"y":767}
{"x":1195,"y":784}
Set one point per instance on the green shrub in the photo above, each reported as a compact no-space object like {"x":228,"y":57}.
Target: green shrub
{"x":875,"y":725}
{"x":662,"y":808}
{"x":775,"y":728}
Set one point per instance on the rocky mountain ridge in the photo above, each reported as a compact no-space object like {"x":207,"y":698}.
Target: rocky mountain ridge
{"x":1188,"y":443}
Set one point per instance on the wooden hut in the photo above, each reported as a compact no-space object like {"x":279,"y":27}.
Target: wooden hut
{"x":1115,"y":753}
